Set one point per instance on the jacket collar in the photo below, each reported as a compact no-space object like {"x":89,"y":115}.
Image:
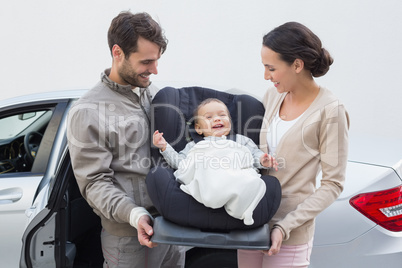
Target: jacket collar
{"x":122,"y":89}
{"x":113,"y":85}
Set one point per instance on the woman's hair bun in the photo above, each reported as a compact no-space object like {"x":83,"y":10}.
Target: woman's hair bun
{"x":322,"y":63}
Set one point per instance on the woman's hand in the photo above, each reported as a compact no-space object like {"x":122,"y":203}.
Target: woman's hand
{"x":276,"y":242}
{"x":159,"y":141}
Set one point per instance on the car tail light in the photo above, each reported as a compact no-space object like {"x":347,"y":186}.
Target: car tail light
{"x":383,"y":207}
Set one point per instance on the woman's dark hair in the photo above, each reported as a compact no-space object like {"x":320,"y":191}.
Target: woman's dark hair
{"x":126,"y":28}
{"x":293,"y":40}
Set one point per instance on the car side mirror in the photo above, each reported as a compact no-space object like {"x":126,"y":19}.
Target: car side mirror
{"x":26,"y":116}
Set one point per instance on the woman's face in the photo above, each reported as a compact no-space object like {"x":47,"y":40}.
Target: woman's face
{"x":279,"y":72}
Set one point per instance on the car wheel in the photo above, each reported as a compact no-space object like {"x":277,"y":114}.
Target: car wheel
{"x":208,"y":257}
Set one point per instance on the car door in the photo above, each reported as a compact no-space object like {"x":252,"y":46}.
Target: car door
{"x":27,"y":134}
{"x":44,"y":243}
{"x":60,"y":219}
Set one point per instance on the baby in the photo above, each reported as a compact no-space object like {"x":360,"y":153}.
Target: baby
{"x":217,"y":171}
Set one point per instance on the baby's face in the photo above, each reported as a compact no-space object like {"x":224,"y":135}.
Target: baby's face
{"x":213,"y":120}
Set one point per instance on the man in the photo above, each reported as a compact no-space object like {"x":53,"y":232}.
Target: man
{"x":109,"y":143}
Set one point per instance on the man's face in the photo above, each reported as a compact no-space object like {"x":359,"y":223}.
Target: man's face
{"x":136,"y":70}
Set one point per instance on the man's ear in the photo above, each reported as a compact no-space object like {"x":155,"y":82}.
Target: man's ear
{"x":117,"y":53}
{"x":298,"y":65}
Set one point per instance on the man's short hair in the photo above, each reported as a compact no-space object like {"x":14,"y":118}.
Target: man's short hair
{"x":127,"y":27}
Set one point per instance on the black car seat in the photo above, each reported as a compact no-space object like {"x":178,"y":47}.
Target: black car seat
{"x":172,"y":114}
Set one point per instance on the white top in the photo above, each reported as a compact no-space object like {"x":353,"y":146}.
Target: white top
{"x":219,"y":173}
{"x":136,"y":90}
{"x":276,"y":130}
{"x":173,"y":158}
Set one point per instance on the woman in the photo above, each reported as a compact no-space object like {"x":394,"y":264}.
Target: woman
{"x":306,"y":128}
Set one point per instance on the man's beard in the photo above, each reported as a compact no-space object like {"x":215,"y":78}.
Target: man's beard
{"x":129,"y":76}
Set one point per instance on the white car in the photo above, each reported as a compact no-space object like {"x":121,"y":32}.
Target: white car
{"x":363,"y":227}
{"x":45,"y":222}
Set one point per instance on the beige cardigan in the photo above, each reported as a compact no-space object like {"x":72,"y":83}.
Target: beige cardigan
{"x":317,"y":141}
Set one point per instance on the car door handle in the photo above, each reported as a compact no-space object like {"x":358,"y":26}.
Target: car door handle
{"x":10,"y":195}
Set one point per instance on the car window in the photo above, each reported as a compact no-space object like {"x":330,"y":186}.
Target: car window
{"x":13,"y":125}
{"x":20,"y":138}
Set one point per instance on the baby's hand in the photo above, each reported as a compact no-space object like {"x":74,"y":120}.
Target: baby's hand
{"x":159,"y":141}
{"x":269,"y":161}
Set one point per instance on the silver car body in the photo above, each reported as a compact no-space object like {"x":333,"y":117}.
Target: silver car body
{"x":346,"y":238}
{"x":17,"y":190}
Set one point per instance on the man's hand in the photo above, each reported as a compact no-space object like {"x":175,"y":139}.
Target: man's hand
{"x":145,"y":231}
{"x":159,"y":141}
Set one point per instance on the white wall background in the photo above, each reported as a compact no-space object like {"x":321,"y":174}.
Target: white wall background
{"x":49,"y":45}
